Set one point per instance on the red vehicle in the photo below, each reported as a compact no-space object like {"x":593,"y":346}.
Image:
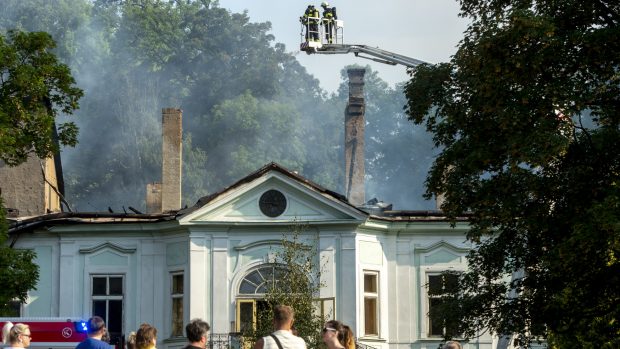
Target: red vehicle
{"x":52,"y":333}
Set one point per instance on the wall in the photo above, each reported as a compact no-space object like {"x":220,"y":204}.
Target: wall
{"x":24,"y":188}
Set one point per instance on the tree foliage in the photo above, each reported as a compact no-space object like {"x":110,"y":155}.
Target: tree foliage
{"x":528,"y":115}
{"x":133,"y":58}
{"x":299,"y":285}
{"x":19,"y":272}
{"x":34,"y":87}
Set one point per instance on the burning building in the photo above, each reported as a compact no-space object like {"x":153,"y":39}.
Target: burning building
{"x":208,"y":261}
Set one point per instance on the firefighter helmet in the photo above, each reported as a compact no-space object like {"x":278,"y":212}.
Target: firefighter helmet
{"x":324,"y":4}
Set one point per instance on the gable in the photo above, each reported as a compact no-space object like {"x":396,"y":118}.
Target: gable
{"x":301,"y":202}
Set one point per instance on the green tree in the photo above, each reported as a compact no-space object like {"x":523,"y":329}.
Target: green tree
{"x":64,"y":20}
{"x":269,"y":131}
{"x":19,"y":273}
{"x":34,"y":87}
{"x":299,"y":285}
{"x":211,"y":62}
{"x":528,"y":115}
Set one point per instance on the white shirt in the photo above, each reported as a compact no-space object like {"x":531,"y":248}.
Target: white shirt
{"x":287,"y":339}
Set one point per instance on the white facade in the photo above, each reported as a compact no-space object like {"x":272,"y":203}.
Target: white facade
{"x":217,"y":244}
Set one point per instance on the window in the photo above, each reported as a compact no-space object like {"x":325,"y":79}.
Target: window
{"x":371,"y":303}
{"x":252,"y":290}
{"x":176,"y":293}
{"x":14,"y":308}
{"x":107,"y":302}
{"x":437,"y":284}
{"x":260,"y":280}
{"x":247,"y":311}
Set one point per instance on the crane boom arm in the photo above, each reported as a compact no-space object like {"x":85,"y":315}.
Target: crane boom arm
{"x":377,"y":54}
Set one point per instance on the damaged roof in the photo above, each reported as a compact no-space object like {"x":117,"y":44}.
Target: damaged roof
{"x":66,"y":218}
{"x":273,"y":166}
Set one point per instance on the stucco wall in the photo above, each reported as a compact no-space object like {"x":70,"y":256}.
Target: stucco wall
{"x":23,"y":187}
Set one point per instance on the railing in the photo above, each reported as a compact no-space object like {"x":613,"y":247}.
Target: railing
{"x":359,"y":345}
{"x":234,"y":340}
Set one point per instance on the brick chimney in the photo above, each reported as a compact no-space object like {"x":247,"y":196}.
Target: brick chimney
{"x":354,"y":123}
{"x":172,"y":131}
{"x":153,"y":197}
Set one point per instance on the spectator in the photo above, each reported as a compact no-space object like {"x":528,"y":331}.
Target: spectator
{"x":146,"y":337}
{"x":95,"y":330}
{"x":16,"y":336}
{"x":131,"y":340}
{"x":337,"y":335}
{"x":196,"y":332}
{"x":452,"y":345}
{"x":283,"y":337}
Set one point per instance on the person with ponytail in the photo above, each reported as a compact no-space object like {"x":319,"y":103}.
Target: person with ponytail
{"x":348,"y":338}
{"x":336,"y":335}
{"x":16,"y":336}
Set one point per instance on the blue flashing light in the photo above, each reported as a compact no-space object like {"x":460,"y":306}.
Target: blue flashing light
{"x":81,"y":326}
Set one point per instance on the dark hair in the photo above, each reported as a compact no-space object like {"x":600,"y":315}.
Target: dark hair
{"x":95,"y":324}
{"x":345,"y":334}
{"x":145,"y":336}
{"x":105,"y":336}
{"x":283,"y":313}
{"x":196,"y":329}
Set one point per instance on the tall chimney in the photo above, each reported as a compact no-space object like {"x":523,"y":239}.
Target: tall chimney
{"x":171,"y":158}
{"x":354,"y":139}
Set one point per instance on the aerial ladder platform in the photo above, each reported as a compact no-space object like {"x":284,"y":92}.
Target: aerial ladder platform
{"x":315,"y":40}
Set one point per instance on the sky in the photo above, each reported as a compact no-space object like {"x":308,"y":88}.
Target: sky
{"x":428,"y":30}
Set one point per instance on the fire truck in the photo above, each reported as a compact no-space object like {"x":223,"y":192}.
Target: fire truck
{"x":52,"y":333}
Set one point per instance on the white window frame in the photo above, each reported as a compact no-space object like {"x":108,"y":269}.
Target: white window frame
{"x":174,"y":296}
{"x":108,"y":297}
{"x":372,"y":295}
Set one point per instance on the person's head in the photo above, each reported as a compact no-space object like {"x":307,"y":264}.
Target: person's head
{"x":96,"y":327}
{"x":146,"y":337}
{"x":105,"y":336}
{"x":131,"y":340}
{"x":324,"y":4}
{"x":283,"y":317}
{"x":335,"y":330}
{"x":5,"y":332}
{"x":196,"y":332}
{"x":17,"y":335}
{"x":452,"y":345}
{"x":348,"y":339}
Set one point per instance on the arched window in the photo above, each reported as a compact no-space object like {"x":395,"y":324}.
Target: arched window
{"x":258,"y":281}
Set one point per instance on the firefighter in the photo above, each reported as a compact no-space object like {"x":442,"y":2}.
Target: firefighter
{"x":311,"y":23}
{"x":329,"y":16}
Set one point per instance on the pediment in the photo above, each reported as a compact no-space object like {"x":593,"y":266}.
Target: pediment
{"x":442,"y":252}
{"x":303,"y":202}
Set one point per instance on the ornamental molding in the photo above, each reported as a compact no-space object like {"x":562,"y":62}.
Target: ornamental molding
{"x":107,"y":246}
